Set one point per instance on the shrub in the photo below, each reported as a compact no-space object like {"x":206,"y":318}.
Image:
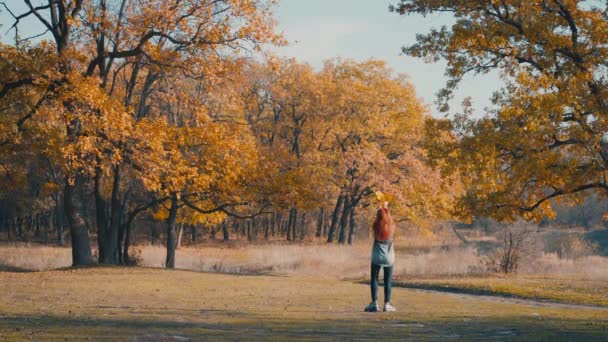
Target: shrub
{"x":515,"y":243}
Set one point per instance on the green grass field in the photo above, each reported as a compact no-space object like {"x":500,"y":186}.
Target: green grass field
{"x":145,"y":304}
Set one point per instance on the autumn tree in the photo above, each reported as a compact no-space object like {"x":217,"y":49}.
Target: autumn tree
{"x":108,"y":58}
{"x":283,"y":101}
{"x":29,"y":175}
{"x":545,"y":136}
{"x":341,"y":134}
{"x":373,"y":137}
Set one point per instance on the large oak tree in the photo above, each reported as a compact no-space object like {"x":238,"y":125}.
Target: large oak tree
{"x":545,"y":137}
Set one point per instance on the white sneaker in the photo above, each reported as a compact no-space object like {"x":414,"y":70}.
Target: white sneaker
{"x":372,"y":307}
{"x":389,"y":308}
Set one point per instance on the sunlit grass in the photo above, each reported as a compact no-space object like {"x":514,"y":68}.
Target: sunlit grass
{"x":155,"y":304}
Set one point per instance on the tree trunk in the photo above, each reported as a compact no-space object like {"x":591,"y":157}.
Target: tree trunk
{"x":213,"y":232}
{"x":37,"y":226}
{"x":125,"y":250}
{"x":294,"y":224}
{"x":324,"y":229}
{"x":225,"y":231}
{"x":20,"y":232}
{"x":122,"y":224}
{"x":179,"y":236}
{"x":10,"y":229}
{"x":248,"y":230}
{"x":267,"y":222}
{"x":110,"y":243}
{"x":59,"y":221}
{"x":101,"y":215}
{"x":334,"y":219}
{"x":353,"y":226}
{"x":81,"y":245}
{"x":320,"y":223}
{"x":171,"y":234}
{"x":47,"y":227}
{"x":344,"y":221}
{"x":460,"y":237}
{"x":303,"y":227}
{"x":290,"y":223}
{"x":193,"y":233}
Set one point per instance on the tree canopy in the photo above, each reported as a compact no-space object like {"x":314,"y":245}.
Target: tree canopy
{"x":545,"y":137}
{"x":166,"y":110}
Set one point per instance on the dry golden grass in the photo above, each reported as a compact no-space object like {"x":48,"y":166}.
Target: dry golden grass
{"x":412,"y":259}
{"x":34,"y":257}
{"x":337,"y":261}
{"x":144,"y":304}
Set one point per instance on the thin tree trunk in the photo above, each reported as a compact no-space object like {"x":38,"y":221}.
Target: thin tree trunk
{"x":179,"y":236}
{"x":213,"y":232}
{"x":110,"y":243}
{"x":59,"y":221}
{"x":294,"y":224}
{"x":171,"y":234}
{"x":125,"y":249}
{"x":320,"y":223}
{"x":122,"y":224}
{"x":290,"y":223}
{"x":11,"y":223}
{"x":193,"y":232}
{"x":116,"y":214}
{"x":344,"y":221}
{"x":324,"y":229}
{"x":267,"y":222}
{"x":235,"y":227}
{"x":334,"y":219}
{"x":100,"y":214}
{"x":19,"y":228}
{"x":22,"y":232}
{"x":248,"y":230}
{"x":303,"y":226}
{"x":47,"y":227}
{"x":460,"y":237}
{"x":81,"y":245}
{"x":37,"y":232}
{"x":225,"y":231}
{"x":353,"y":226}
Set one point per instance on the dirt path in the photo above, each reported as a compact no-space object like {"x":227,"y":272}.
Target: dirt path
{"x":495,"y":297}
{"x":158,"y":305}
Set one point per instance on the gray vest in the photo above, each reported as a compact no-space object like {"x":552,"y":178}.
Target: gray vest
{"x":383,"y":253}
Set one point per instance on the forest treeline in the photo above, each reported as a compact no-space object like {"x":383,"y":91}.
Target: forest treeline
{"x":133,"y":111}
{"x":121,"y":112}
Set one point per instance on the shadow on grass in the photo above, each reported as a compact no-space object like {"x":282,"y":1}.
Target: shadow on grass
{"x":219,"y":324}
{"x":14,"y":269}
{"x":253,"y":273}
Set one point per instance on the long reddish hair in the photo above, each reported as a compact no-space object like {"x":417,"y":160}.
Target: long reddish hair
{"x":384,"y":226}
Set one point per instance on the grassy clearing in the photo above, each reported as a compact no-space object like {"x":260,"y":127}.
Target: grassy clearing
{"x":346,"y":262}
{"x":153,"y":304}
{"x":549,"y":288}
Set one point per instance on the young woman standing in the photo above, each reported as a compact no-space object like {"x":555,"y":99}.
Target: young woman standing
{"x":383,"y":256}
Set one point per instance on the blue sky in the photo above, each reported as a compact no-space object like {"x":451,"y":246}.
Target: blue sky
{"x":362,"y":29}
{"x":357,"y":29}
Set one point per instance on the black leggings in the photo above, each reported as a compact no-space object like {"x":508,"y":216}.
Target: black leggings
{"x":388,"y":273}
